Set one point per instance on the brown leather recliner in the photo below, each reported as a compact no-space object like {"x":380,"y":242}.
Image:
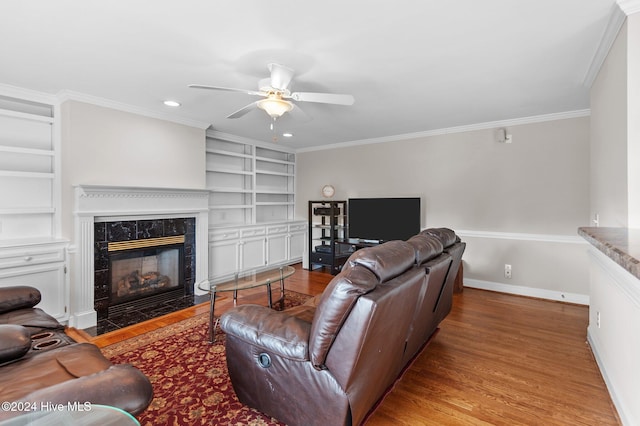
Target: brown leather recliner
{"x":66,"y":372}
{"x":17,"y":306}
{"x":330,"y":360}
{"x":452,"y":245}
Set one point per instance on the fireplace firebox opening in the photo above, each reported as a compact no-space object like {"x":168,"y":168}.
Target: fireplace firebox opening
{"x":145,"y":270}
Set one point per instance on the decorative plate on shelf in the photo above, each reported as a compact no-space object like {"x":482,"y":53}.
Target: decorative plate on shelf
{"x":328,"y":191}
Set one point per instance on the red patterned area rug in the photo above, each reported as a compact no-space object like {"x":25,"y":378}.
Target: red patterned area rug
{"x":190,"y":381}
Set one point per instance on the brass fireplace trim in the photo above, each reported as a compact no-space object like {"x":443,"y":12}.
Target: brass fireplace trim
{"x":149,"y":242}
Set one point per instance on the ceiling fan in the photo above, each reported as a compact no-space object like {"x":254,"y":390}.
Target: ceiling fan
{"x":277,"y":97}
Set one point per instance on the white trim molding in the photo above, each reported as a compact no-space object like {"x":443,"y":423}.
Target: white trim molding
{"x":458,"y":129}
{"x":539,"y":293}
{"x":68,"y":95}
{"x":547,"y":238}
{"x":27,"y":94}
{"x":619,"y":13}
{"x":629,"y":7}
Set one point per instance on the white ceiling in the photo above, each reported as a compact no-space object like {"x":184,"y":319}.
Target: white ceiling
{"x":412,"y":66}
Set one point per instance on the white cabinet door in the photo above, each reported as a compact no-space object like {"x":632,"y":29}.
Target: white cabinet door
{"x":252,"y":253}
{"x":297,"y":241}
{"x":223,"y":258}
{"x":277,"y":244}
{"x":41,"y":266}
{"x":276,"y":249}
{"x":296,"y":246}
{"x":49,"y":278}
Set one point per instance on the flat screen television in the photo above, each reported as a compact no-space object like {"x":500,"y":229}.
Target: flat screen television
{"x":383,"y":219}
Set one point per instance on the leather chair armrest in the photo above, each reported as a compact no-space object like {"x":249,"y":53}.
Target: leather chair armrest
{"x":278,"y":332}
{"x":122,"y":386}
{"x":18,"y":297}
{"x":15,"y":341}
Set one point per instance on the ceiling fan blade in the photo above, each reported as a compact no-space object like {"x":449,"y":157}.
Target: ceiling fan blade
{"x":244,"y":110}
{"x":280,"y":76}
{"x":224,"y":89}
{"x":325,"y":98}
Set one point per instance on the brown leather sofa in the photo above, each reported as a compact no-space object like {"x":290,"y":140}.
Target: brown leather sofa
{"x":330,"y":360}
{"x":40,"y":364}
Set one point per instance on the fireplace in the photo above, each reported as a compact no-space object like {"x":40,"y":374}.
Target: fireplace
{"x":144,"y":271}
{"x":142,"y":263}
{"x":104,"y":214}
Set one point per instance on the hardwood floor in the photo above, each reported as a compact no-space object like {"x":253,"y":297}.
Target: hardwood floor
{"x":497,"y":360}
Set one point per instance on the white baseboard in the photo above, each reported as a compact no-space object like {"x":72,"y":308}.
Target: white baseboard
{"x":596,"y":350}
{"x":580,"y":299}
{"x":82,"y":320}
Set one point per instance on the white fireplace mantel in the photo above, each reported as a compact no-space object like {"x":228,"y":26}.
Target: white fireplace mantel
{"x":122,"y":203}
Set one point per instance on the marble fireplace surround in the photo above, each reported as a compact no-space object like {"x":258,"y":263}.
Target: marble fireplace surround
{"x":98,"y":203}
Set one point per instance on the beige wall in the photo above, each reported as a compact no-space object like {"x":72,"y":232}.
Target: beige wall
{"x":633,"y":119}
{"x":104,"y":146}
{"x":537,"y":184}
{"x":521,"y":202}
{"x":608,"y":170}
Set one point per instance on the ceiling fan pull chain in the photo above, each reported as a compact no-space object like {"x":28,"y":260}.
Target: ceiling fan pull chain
{"x":274,"y":138}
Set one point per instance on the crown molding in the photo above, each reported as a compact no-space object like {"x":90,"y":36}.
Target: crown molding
{"x":68,"y":95}
{"x":27,"y":94}
{"x":629,"y":7}
{"x":458,"y":129}
{"x":619,"y":13}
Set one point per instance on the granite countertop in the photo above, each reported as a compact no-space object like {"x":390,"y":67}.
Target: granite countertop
{"x":622,"y":245}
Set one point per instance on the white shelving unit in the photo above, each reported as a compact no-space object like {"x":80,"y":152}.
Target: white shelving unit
{"x":31,"y":252}
{"x":230,"y":182}
{"x":251,"y":207}
{"x":274,"y":183}
{"x":28,"y":168}
{"x":249,"y":184}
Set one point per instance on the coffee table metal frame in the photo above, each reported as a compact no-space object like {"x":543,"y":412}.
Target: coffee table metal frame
{"x":244,"y":281}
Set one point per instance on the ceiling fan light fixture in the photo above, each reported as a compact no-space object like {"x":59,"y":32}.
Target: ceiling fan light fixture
{"x":275,"y":106}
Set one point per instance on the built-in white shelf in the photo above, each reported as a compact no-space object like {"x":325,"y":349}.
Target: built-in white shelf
{"x":228,"y":154}
{"x":27,"y":151}
{"x":27,"y":211}
{"x":271,"y":160}
{"x":230,"y":171}
{"x":25,"y":116}
{"x":230,"y":190}
{"x":29,"y":181}
{"x":250,"y":183}
{"x":29,"y":175}
{"x":267,"y":172}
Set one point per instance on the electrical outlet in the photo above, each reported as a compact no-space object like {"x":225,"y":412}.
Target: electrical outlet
{"x":507,"y":270}
{"x":598,"y":319}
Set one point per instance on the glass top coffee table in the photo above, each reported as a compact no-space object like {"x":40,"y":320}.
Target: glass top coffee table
{"x":244,"y":281}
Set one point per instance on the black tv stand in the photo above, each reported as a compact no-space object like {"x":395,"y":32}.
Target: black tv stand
{"x":328,"y":225}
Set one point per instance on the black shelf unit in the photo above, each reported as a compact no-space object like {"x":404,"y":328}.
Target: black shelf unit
{"x":327,"y":226}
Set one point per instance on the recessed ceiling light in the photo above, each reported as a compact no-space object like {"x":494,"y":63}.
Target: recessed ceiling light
{"x":172,"y":103}
{"x":287,"y":135}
